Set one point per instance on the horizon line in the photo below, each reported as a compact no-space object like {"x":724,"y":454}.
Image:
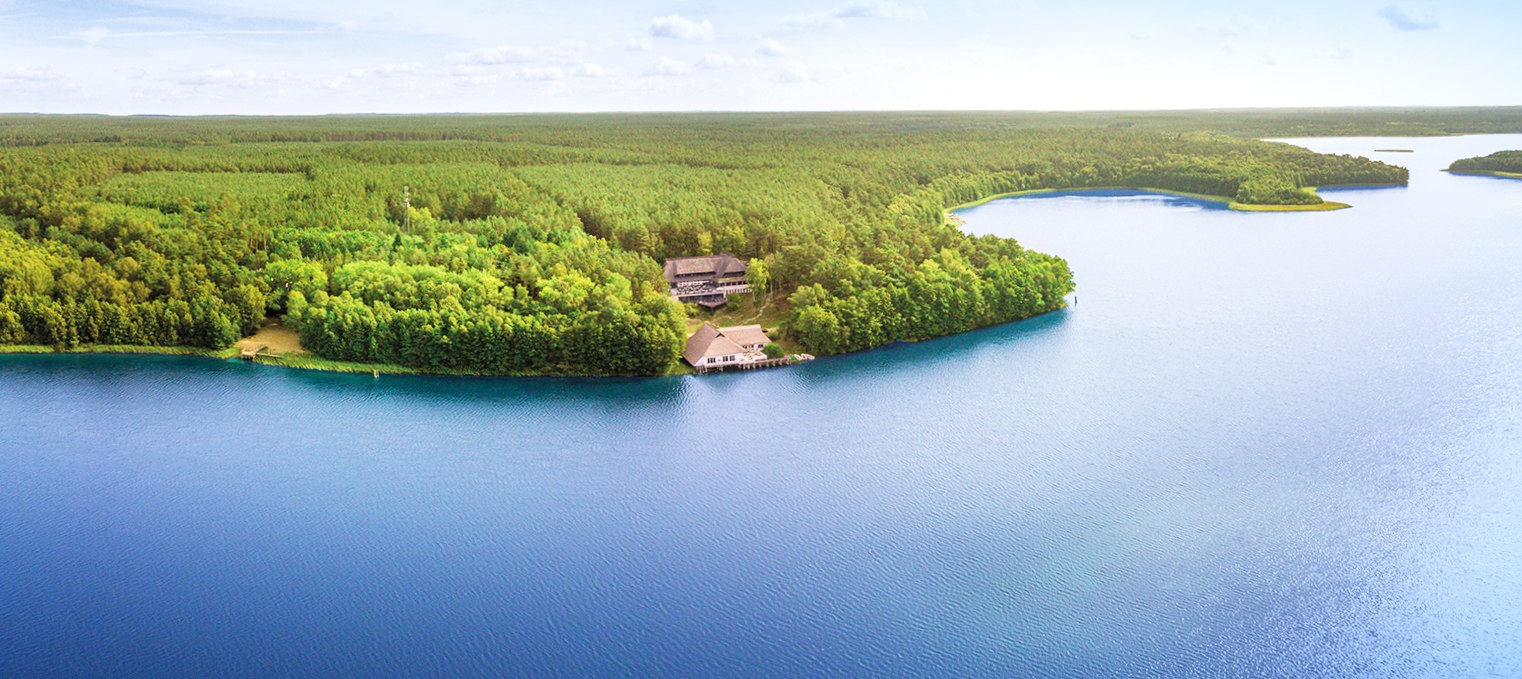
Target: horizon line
{"x":342,"y":114}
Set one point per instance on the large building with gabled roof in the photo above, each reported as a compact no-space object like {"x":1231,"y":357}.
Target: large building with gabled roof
{"x":706,"y":281}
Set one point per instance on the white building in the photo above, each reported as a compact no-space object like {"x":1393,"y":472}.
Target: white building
{"x":712,"y":348}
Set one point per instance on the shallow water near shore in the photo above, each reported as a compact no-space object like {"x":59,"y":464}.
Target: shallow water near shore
{"x":1255,"y":444}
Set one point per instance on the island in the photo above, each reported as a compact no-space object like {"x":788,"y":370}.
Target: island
{"x":1506,"y":164}
{"x":562,"y":245}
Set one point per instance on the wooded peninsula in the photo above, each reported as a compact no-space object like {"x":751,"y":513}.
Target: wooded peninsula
{"x":1501,"y":164}
{"x":532,"y":244}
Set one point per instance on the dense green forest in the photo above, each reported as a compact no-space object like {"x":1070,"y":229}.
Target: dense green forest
{"x":532,"y":243}
{"x":1505,"y":162}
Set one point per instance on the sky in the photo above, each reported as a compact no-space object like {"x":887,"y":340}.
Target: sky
{"x":394,"y":56}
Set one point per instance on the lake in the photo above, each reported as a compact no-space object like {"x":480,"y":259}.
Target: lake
{"x":1256,"y":444}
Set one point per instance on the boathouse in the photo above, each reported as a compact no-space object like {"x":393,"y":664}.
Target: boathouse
{"x":706,"y":281}
{"x":738,"y":347}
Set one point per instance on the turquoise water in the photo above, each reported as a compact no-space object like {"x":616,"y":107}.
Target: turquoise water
{"x":1258,"y":444}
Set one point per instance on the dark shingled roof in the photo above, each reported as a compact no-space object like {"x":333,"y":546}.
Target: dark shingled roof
{"x":721,"y":265}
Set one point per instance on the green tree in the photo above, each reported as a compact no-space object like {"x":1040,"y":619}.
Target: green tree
{"x":758,"y":275}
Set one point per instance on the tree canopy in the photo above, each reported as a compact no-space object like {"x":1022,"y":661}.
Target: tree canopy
{"x":518,"y":244}
{"x":1504,"y":161}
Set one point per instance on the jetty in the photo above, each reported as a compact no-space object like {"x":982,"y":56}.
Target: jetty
{"x":250,"y":353}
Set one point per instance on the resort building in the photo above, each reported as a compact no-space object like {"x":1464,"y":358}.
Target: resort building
{"x":706,"y":281}
{"x":712,"y":348}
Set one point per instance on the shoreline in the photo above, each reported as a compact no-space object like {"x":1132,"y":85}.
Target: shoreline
{"x":36,"y":349}
{"x":304,"y":361}
{"x":1230,"y":204}
{"x":312,"y":363}
{"x":1485,"y":173}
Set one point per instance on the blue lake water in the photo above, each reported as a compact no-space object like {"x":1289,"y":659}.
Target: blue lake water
{"x":1258,"y":444}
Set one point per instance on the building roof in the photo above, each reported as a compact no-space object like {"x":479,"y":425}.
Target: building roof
{"x":708,"y":341}
{"x":746,"y":335}
{"x":716,"y":266}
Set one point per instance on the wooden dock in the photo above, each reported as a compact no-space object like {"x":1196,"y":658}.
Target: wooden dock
{"x":259,"y":351}
{"x":757,"y":365}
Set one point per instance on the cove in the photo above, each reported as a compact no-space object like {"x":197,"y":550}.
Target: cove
{"x":1259,"y":444}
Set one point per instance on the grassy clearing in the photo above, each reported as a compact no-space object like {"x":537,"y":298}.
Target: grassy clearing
{"x":1319,"y":207}
{"x":275,"y":338}
{"x":286,"y":343}
{"x":744,"y":310}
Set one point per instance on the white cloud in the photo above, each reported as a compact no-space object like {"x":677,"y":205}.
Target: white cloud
{"x":468,"y":70}
{"x":593,"y":71}
{"x":678,"y":27}
{"x":467,"y":20}
{"x":501,"y":54}
{"x":217,"y":77}
{"x":385,"y":71}
{"x":877,"y":9}
{"x":638,"y":45}
{"x":92,"y":36}
{"x":798,"y":72}
{"x":477,"y":80}
{"x":27,"y":75}
{"x":771,"y":48}
{"x":539,"y":74}
{"x":1406,"y":22}
{"x":666,"y":66}
{"x":379,"y":73}
{"x":721,"y":60}
{"x":1339,"y":54}
{"x":564,"y":53}
{"x":857,"y":9}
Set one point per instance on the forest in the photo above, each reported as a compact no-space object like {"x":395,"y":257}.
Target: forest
{"x":532,"y":244}
{"x":1503,"y":162}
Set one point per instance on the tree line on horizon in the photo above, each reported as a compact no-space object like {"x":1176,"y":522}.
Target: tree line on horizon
{"x":535,"y":248}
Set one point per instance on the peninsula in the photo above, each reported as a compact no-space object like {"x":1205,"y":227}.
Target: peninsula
{"x":534,"y":244}
{"x":1501,"y":164}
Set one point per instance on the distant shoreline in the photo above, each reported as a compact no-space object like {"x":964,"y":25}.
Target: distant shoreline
{"x":1223,"y":200}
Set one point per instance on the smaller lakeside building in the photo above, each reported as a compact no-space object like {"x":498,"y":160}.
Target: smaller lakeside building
{"x":737,"y":347}
{"x":706,"y":281}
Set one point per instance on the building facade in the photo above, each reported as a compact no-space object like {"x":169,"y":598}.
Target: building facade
{"x":712,"y":348}
{"x":706,"y":281}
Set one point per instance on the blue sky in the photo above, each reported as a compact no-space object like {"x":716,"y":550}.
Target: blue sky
{"x":323,"y":56}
